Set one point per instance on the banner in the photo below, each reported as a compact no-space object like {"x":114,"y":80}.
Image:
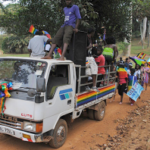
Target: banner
{"x":135,"y":91}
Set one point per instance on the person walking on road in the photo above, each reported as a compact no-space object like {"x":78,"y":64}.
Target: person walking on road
{"x":123,"y":80}
{"x":146,"y":76}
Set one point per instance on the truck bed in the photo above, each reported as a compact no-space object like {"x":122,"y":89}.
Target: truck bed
{"x":87,"y":99}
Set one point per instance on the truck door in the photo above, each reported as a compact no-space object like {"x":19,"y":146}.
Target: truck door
{"x":60,"y":90}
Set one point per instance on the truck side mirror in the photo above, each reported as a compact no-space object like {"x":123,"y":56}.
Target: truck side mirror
{"x":40,"y":85}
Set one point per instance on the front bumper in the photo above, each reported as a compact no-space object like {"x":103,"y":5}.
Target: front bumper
{"x":35,"y":138}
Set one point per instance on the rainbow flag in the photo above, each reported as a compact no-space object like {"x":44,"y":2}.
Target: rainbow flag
{"x":141,"y":55}
{"x":131,"y":81}
{"x":32,"y":29}
{"x":91,"y":96}
{"x":122,"y":73}
{"x":87,"y":62}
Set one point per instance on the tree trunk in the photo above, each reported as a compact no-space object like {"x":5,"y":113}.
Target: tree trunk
{"x":129,"y":46}
{"x":148,"y":33}
{"x":143,"y":30}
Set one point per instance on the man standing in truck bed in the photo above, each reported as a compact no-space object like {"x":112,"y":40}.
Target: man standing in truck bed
{"x":64,"y":34}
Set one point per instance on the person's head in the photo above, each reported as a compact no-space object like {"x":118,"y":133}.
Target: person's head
{"x":91,"y":32}
{"x":68,"y":3}
{"x":117,"y":63}
{"x":110,"y":40}
{"x":120,"y":58}
{"x":99,"y":50}
{"x":142,"y":65}
{"x":39,"y":32}
{"x":146,"y":64}
{"x":127,"y":60}
{"x":137,"y":67}
{"x":121,"y":65}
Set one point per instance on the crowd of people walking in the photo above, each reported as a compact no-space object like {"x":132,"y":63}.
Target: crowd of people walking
{"x":128,"y":75}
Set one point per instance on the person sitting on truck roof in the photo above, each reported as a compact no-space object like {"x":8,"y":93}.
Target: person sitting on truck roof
{"x":91,"y":66}
{"x":71,"y":23}
{"x":110,"y":51}
{"x":100,"y":60}
{"x":36,"y":44}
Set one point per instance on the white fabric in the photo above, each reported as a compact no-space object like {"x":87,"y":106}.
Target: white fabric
{"x":137,"y":73}
{"x":91,"y":66}
{"x":47,"y":47}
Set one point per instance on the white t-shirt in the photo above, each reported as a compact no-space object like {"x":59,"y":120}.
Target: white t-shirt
{"x":36,"y":44}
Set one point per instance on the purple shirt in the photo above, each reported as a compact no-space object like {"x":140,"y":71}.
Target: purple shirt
{"x":71,"y":15}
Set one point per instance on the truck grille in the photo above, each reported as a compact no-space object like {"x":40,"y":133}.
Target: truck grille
{"x":10,"y":121}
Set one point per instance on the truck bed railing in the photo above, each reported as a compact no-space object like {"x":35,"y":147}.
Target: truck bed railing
{"x":108,"y":77}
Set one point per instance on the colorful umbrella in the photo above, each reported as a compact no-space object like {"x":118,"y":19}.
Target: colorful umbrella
{"x":148,"y":61}
{"x":47,"y":34}
{"x":137,"y":60}
{"x":141,"y":55}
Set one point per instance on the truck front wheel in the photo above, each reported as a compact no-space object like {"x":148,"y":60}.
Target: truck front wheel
{"x":60,"y":134}
{"x":100,"y":112}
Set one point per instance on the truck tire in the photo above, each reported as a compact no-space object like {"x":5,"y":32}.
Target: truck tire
{"x":100,"y":112}
{"x":60,"y":134}
{"x":91,"y":114}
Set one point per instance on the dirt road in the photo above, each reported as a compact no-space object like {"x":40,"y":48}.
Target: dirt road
{"x":84,"y":134}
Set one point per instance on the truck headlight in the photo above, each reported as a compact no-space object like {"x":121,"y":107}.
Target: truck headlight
{"x":33,"y":127}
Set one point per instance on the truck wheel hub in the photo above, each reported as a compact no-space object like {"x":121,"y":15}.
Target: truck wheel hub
{"x":60,"y":133}
{"x":102,"y":112}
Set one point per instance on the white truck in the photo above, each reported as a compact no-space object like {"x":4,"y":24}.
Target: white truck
{"x":47,"y":95}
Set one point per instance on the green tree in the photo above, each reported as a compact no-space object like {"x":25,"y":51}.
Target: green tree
{"x":142,"y":14}
{"x":115,"y":16}
{"x":15,"y":44}
{"x":45,"y":14}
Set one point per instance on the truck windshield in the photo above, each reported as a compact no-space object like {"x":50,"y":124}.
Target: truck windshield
{"x":22,"y":72}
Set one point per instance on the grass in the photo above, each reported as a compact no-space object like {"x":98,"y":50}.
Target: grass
{"x":137,"y":47}
{"x":15,"y":55}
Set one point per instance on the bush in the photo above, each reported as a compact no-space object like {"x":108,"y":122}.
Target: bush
{"x":123,"y":47}
{"x":5,"y":46}
{"x":136,"y":34}
{"x":15,"y":44}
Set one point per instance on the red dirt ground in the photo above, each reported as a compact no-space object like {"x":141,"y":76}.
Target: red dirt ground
{"x":84,"y":134}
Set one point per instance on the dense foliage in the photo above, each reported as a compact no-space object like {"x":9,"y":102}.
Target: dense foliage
{"x":115,"y":16}
{"x":48,"y":15}
{"x":15,"y":44}
{"x":45,"y":14}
